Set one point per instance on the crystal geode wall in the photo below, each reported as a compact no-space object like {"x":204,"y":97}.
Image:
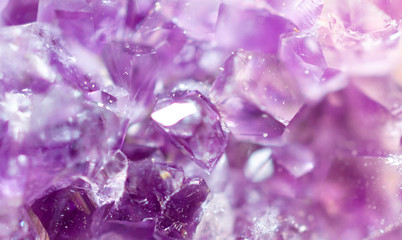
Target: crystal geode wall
{"x":200,"y":119}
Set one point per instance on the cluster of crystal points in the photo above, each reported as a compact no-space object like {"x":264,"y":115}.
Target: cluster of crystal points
{"x":201,"y":119}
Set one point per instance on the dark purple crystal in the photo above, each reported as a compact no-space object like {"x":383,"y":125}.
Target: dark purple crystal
{"x":182,"y":211}
{"x":74,"y":209}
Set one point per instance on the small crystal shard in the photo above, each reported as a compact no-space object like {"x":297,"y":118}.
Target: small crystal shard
{"x":249,"y":123}
{"x":126,"y":62}
{"x":303,"y":56}
{"x":197,"y":18}
{"x":88,"y":22}
{"x":193,"y":124}
{"x":259,"y":80}
{"x":250,"y":29}
{"x":182,"y":211}
{"x":303,"y":13}
{"x":149,"y":183}
{"x":74,"y":209}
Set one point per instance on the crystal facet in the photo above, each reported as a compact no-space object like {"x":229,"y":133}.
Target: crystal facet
{"x":259,"y":80}
{"x":193,"y":124}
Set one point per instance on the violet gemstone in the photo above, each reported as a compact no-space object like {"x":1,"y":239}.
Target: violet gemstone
{"x":89,"y":22}
{"x":193,"y":124}
{"x":303,"y":13}
{"x":151,"y":177}
{"x":158,"y":191}
{"x":298,"y":160}
{"x":19,"y":12}
{"x":197,"y":18}
{"x":351,"y":52}
{"x":74,"y":209}
{"x":136,"y":146}
{"x":182,"y":211}
{"x":247,"y":122}
{"x":147,"y":186}
{"x":126,"y":63}
{"x":258,"y":80}
{"x":200,"y":119}
{"x":250,"y":29}
{"x":304,"y":59}
{"x":137,"y":11}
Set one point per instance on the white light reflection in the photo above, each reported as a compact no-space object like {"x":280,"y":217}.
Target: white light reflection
{"x":172,"y":114}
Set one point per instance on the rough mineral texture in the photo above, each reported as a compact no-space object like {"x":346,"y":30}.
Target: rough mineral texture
{"x":201,"y":119}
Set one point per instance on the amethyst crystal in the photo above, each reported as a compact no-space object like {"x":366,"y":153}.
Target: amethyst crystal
{"x":18,"y":12}
{"x":250,"y":28}
{"x":74,"y":209}
{"x":148,"y":184}
{"x":193,"y":124}
{"x":182,"y":211}
{"x":213,"y":119}
{"x":303,"y":57}
{"x":260,"y":80}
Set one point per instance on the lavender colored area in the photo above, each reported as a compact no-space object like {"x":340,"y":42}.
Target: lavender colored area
{"x":190,"y":119}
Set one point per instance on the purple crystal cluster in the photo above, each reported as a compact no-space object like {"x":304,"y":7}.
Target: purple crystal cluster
{"x":201,"y":119}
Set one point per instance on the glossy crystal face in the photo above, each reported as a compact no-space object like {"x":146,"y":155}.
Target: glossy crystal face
{"x":200,"y":119}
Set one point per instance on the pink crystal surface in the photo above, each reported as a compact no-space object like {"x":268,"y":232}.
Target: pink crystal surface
{"x":201,"y":119}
